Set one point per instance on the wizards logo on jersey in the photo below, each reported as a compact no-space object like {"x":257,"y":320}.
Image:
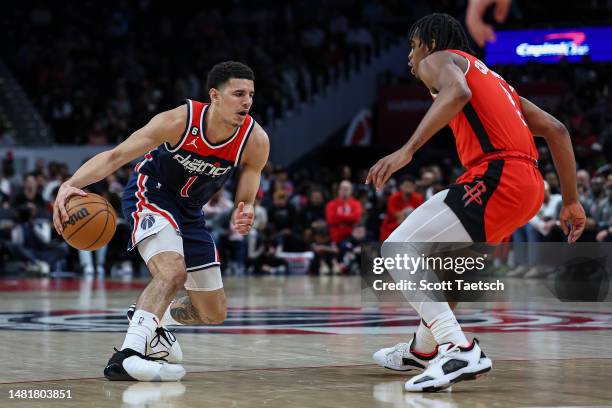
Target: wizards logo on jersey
{"x":201,"y":166}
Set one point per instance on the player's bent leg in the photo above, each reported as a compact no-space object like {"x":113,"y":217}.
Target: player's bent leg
{"x":132,"y":362}
{"x":419,"y":234}
{"x":206,"y":303}
{"x":158,"y":250}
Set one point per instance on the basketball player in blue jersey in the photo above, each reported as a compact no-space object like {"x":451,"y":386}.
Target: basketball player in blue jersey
{"x":189,"y":153}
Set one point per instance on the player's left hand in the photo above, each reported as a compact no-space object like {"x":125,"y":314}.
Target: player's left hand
{"x":243,"y":217}
{"x":385,"y":167}
{"x":572,"y":219}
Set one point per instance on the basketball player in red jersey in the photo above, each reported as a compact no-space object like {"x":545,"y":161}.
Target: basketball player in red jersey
{"x":189,"y":153}
{"x":500,"y":191}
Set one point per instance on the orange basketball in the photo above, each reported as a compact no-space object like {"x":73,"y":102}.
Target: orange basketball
{"x":91,"y":224}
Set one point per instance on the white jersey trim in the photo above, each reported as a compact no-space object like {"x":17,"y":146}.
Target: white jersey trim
{"x":203,"y":132}
{"x":188,"y":128}
{"x":243,"y":143}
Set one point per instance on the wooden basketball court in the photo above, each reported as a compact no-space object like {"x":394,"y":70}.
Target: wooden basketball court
{"x":294,"y":341}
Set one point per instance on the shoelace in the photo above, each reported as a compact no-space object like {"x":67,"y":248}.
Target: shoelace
{"x":164,"y":337}
{"x":148,"y":357}
{"x":445,"y":354}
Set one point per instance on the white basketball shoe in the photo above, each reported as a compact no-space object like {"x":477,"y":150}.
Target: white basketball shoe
{"x":402,"y":357}
{"x":163,"y":344}
{"x":130,"y":365}
{"x":452,"y":364}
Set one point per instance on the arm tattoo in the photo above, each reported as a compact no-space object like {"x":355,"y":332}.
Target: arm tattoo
{"x":183,"y":312}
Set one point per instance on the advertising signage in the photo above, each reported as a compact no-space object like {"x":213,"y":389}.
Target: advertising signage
{"x":550,"y":45}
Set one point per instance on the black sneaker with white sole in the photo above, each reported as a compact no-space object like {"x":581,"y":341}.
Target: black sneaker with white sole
{"x":130,"y":365}
{"x":163,"y":344}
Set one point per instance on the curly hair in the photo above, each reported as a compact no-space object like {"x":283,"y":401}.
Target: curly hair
{"x":444,"y":29}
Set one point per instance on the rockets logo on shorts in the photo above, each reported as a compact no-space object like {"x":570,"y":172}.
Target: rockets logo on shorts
{"x":472,"y":194}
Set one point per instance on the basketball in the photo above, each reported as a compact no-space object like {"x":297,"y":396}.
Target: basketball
{"x":91,"y":223}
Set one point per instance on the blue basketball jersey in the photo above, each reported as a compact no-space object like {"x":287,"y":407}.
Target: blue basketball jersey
{"x":196,"y":168}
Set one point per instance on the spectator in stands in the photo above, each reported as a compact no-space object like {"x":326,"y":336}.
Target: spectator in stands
{"x":266,"y":260}
{"x":57,"y":173}
{"x":603,"y":216}
{"x":342,"y":213}
{"x":598,"y":192}
{"x":542,"y":227}
{"x":583,"y":178}
{"x":34,"y":237}
{"x":281,"y":214}
{"x":351,"y":249}
{"x":400,"y":205}
{"x":326,"y":252}
{"x":30,"y":194}
{"x":553,"y":182}
{"x":314,"y":209}
{"x":425,"y":184}
{"x":217,"y":212}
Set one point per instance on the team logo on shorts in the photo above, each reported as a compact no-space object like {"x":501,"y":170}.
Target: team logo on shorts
{"x":147,"y":222}
{"x":318,"y":320}
{"x":472,"y":194}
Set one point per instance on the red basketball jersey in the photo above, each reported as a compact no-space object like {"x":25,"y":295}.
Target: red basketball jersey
{"x":492,"y":121}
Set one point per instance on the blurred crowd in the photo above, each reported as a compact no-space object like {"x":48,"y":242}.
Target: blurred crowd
{"x":305,"y":222}
{"x":96,"y":70}
{"x":99,"y":70}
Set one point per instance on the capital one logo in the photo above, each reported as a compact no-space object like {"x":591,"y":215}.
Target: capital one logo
{"x":571,"y":44}
{"x":199,"y":166}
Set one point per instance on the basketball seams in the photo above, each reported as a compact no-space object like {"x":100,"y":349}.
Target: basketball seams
{"x":84,"y":224}
{"x":103,"y":230}
{"x":83,"y":202}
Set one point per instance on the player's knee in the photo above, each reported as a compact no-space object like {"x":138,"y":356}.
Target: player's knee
{"x":213,"y":312}
{"x":215,"y":317}
{"x":169,"y":266}
{"x":178,"y":277}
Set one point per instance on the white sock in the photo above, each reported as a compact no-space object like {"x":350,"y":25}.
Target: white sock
{"x":441,"y":321}
{"x":445,"y":329}
{"x":167,"y":319}
{"x":142,"y":326}
{"x":424,"y":341}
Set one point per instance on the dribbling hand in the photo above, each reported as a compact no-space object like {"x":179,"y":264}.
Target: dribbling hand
{"x":243,"y":217}
{"x":60,"y":215}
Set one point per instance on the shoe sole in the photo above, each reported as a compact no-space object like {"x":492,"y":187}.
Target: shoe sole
{"x":115,"y":372}
{"x":402,"y":371}
{"x":461,"y":377}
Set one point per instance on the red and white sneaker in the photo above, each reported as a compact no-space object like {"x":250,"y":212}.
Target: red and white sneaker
{"x":452,"y":364}
{"x":402,"y":357}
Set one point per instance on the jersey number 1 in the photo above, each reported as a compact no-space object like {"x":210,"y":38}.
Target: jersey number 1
{"x":185,"y":189}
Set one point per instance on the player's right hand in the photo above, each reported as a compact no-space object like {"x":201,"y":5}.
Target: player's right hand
{"x":572,"y":219}
{"x":480,"y":31}
{"x":385,"y":167}
{"x":60,"y":215}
